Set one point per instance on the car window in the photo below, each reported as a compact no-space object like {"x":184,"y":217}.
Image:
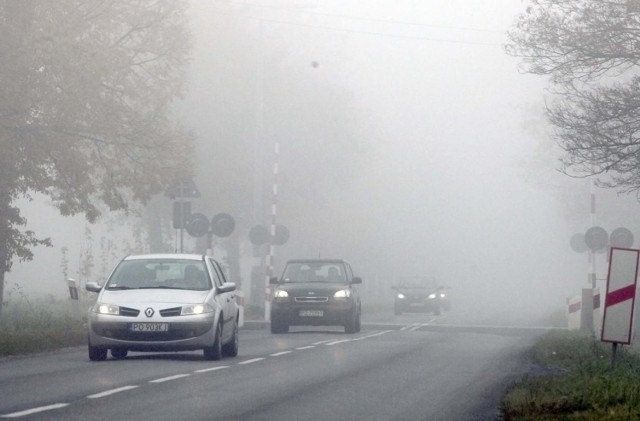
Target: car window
{"x":215,"y":273}
{"x":157,"y":273}
{"x":315,"y":272}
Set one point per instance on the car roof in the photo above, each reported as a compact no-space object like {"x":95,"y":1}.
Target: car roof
{"x":315,"y":261}
{"x":181,"y":256}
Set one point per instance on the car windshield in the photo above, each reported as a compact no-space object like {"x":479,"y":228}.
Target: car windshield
{"x":150,"y":274}
{"x":416,"y":282}
{"x":314,"y":272}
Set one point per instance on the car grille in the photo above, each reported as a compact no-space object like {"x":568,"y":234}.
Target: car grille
{"x":311,"y":299}
{"x":169,"y":312}
{"x":129,"y":312}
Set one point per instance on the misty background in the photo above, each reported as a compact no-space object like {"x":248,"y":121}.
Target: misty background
{"x":409,"y":144}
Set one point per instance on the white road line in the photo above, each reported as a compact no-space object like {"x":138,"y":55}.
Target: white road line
{"x":251,"y":361}
{"x":306,"y":347}
{"x":373,"y":335}
{"x":321,"y":342}
{"x":277,"y":354}
{"x":206,"y":370}
{"x":166,"y":379}
{"x":411,"y":326}
{"x":338,"y":342}
{"x":111,"y":392}
{"x":35,"y":410}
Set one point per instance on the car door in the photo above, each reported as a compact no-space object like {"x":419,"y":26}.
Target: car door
{"x":225,"y":299}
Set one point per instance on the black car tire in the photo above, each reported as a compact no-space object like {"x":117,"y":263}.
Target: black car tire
{"x":231,"y":349}
{"x":350,"y":324}
{"x":97,"y":354}
{"x":278,"y":327}
{"x":214,"y":352}
{"x":119,"y":353}
{"x":358,"y":323}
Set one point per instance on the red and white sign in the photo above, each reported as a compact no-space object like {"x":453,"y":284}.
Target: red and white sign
{"x":621,"y":295}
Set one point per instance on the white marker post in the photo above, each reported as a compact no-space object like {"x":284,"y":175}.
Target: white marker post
{"x":620,"y":297}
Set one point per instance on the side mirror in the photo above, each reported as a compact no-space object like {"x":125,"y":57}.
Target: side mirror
{"x":93,"y":287}
{"x":227,"y":287}
{"x":273,"y":280}
{"x":356,"y":280}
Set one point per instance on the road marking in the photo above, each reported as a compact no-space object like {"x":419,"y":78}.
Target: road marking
{"x":306,"y":347}
{"x":338,"y":342}
{"x":250,"y":361}
{"x":111,"y":392}
{"x":277,"y":354}
{"x":35,"y":410}
{"x":373,"y":335}
{"x":166,"y":379}
{"x":205,"y":370}
{"x":409,"y":326}
{"x":322,"y":342}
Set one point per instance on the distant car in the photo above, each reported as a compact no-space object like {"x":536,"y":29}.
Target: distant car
{"x":444,"y":298}
{"x":164,"y":302}
{"x":316,"y":293}
{"x":416,"y":295}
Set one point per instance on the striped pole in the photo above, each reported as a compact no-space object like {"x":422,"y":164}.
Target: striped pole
{"x":272,"y":246}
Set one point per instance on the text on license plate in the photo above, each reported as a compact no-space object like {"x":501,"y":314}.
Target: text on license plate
{"x":311,"y":313}
{"x":149,"y":327}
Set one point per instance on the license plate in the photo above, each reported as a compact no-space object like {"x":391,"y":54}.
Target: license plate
{"x":311,"y":313}
{"x":149,"y":327}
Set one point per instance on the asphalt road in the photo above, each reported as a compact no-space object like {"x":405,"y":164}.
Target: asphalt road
{"x":410,"y":367}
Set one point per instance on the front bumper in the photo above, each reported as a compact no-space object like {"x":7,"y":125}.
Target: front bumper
{"x":292,"y":314}
{"x":184,"y":333}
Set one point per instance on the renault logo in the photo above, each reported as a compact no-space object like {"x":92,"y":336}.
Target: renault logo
{"x":312,"y":293}
{"x":149,"y":312}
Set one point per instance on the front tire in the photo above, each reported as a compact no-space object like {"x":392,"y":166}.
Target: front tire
{"x":214,"y":352}
{"x":350,"y":325}
{"x":231,"y":349}
{"x":119,"y":353}
{"x":97,"y":354}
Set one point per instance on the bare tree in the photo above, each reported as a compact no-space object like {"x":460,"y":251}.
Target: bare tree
{"x":589,"y":49}
{"x":85,"y":93}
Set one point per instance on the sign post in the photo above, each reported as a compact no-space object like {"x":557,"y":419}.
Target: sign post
{"x":620,"y":297}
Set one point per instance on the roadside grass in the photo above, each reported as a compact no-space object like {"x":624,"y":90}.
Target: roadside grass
{"x":574,"y":380}
{"x":27,"y":327}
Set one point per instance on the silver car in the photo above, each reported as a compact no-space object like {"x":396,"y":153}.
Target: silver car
{"x":164,"y":302}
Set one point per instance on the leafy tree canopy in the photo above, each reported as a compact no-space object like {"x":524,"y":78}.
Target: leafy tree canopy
{"x":589,"y":49}
{"x":85,"y":93}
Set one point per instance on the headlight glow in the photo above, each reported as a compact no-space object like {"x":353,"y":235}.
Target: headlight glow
{"x":343,"y":293}
{"x":281,"y":294}
{"x":442,"y":295}
{"x":401,"y":296}
{"x":432,"y":296}
{"x":195,"y":309}
{"x":108,"y":309}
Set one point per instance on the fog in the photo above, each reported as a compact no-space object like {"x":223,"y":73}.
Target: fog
{"x":409,"y":144}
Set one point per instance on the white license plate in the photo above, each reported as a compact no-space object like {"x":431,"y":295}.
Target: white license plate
{"x":149,"y":327}
{"x":311,"y":313}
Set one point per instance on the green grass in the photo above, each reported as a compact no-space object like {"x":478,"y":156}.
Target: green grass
{"x":34,"y":327}
{"x":576,"y":382}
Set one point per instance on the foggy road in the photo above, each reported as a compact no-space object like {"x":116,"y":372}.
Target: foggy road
{"x":398,"y":369}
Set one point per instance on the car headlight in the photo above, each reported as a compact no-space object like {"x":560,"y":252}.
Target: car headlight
{"x":107,"y":309}
{"x":443,"y":295}
{"x":401,"y":296}
{"x":192,"y":309}
{"x":342,"y":294}
{"x":281,"y":295}
{"x":432,"y":296}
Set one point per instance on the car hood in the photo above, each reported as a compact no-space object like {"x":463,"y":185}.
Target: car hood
{"x":165,"y":296}
{"x":311,"y":288}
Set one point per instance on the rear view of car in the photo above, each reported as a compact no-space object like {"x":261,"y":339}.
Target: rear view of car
{"x":170,"y":302}
{"x":316,"y":293}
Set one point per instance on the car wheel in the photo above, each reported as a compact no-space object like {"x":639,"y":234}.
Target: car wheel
{"x":350,"y":325}
{"x":358,"y":323}
{"x":277,"y":327}
{"x":214,"y":352}
{"x":119,"y":353}
{"x":97,"y":354}
{"x":231,"y":349}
